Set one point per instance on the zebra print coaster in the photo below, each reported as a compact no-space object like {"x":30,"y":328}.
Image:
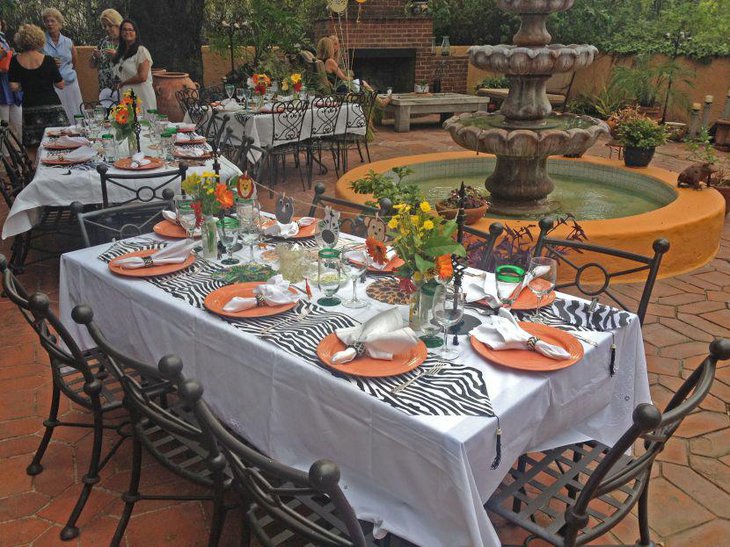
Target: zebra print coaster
{"x":574,"y":315}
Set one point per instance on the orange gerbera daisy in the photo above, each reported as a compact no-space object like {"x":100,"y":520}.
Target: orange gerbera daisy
{"x":122,"y":117}
{"x":444,"y":267}
{"x":224,"y":196}
{"x":377,"y":250}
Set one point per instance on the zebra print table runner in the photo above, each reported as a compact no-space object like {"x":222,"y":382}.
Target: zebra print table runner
{"x":457,"y":390}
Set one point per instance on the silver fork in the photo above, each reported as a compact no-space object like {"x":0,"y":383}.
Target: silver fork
{"x":422,"y":374}
{"x":301,"y":315}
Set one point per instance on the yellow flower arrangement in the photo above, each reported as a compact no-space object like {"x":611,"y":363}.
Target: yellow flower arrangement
{"x":122,"y":116}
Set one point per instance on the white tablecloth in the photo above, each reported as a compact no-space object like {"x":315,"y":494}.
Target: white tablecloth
{"x":56,"y":186}
{"x":424,"y":478}
{"x":260,"y":127}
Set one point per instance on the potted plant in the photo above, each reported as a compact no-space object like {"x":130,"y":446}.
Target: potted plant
{"x":640,"y":136}
{"x":475,"y":204}
{"x":421,"y":87}
{"x":722,"y":184}
{"x":391,"y":187}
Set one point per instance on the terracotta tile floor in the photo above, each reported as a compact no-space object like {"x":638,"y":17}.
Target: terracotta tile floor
{"x":690,"y":492}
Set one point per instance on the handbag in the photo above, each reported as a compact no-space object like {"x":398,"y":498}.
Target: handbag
{"x":5,"y":61}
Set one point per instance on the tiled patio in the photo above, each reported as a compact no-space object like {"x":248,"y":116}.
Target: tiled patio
{"x":690,"y":492}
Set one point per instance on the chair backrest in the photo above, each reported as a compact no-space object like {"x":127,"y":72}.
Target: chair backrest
{"x":128,"y":188}
{"x":656,"y":429}
{"x":270,"y":486}
{"x":187,"y":96}
{"x":120,"y":222}
{"x":212,"y":94}
{"x":355,"y":223}
{"x":215,"y":127}
{"x":359,"y":107}
{"x":200,"y":460}
{"x":16,"y":154}
{"x":287,"y":121}
{"x":481,"y":252}
{"x":636,"y":263}
{"x":325,"y":115}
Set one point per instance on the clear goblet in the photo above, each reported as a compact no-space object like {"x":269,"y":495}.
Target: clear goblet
{"x":228,"y":232}
{"x":542,"y":275}
{"x":448,"y":309}
{"x":186,"y":217}
{"x":230,"y":88}
{"x":354,"y":270}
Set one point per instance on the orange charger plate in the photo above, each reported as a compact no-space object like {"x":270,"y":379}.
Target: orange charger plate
{"x":126,"y":163}
{"x":150,"y":271}
{"x":215,"y":301}
{"x":523,"y":359}
{"x":165,"y":228}
{"x":59,"y":161}
{"x":367,"y":366}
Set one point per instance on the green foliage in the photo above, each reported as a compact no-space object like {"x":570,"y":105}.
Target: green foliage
{"x":646,"y":82}
{"x":641,"y":132}
{"x":494,"y":82}
{"x":601,"y":104}
{"x":382,"y":186}
{"x":701,"y":149}
{"x":473,"y":198}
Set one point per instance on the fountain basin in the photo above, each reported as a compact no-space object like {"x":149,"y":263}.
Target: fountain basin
{"x":691,"y":220}
{"x":535,"y":6}
{"x":519,"y":60}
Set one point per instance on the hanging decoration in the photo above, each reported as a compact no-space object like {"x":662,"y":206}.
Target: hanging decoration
{"x":284,"y":209}
{"x":337,"y":6}
{"x":359,"y":9}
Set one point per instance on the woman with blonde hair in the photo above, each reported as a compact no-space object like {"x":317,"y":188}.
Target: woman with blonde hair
{"x":38,"y":77}
{"x":102,"y":58}
{"x":340,"y":81}
{"x":63,"y":51}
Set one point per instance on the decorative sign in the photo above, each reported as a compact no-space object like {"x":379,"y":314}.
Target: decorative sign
{"x":284,"y":209}
{"x":330,"y":227}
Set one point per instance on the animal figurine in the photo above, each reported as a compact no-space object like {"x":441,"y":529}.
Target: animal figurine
{"x":696,"y":174}
{"x":330,"y":227}
{"x":246,"y":186}
{"x":284,"y":209}
{"x":376,"y":228}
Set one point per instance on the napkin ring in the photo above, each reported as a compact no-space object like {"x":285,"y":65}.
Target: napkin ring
{"x":260,"y":300}
{"x":359,"y":348}
{"x":147,"y":261}
{"x":532,"y":342}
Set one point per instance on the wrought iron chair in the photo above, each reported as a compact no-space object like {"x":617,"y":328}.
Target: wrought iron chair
{"x":189,"y":101}
{"x":163,"y":425}
{"x":16,"y":153}
{"x":83,"y":377}
{"x":115,"y":223}
{"x":326,"y":112}
{"x":128,"y":192}
{"x":310,"y":505}
{"x":287,"y":122}
{"x":212,"y":94}
{"x":598,"y":485}
{"x":636,"y":263}
{"x":358,"y":107}
{"x":481,"y":252}
{"x":215,"y":128}
{"x":355,"y":215}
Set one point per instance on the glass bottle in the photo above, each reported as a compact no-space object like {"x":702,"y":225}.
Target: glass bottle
{"x":445,"y":46}
{"x":110,"y":148}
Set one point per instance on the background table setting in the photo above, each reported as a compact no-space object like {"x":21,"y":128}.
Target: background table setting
{"x":316,"y":367}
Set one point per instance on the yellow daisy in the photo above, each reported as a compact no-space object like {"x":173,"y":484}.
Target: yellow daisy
{"x":428,"y":225}
{"x":393,"y":224}
{"x":425,"y":207}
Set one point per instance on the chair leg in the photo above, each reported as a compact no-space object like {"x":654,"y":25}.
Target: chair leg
{"x":359,"y":151}
{"x":367,"y":149}
{"x":70,"y":531}
{"x":219,"y":515}
{"x":521,"y":466}
{"x":35,"y":466}
{"x":131,"y":496}
{"x":645,"y":534}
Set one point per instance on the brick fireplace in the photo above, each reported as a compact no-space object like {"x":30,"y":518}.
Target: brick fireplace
{"x":392,"y":49}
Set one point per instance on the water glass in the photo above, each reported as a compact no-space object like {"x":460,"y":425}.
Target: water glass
{"x":239,"y":94}
{"x":228,"y":233}
{"x":230,"y":88}
{"x":542,"y":275}
{"x":99,"y":114}
{"x":448,"y":310}
{"x":509,"y":279}
{"x":329,"y":276}
{"x":354,"y":270}
{"x":186,"y":216}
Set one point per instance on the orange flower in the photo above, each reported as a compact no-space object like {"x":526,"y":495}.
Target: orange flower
{"x":126,"y":100}
{"x":224,"y":196}
{"x":122,"y":117}
{"x":377,"y":250}
{"x":444,"y":267}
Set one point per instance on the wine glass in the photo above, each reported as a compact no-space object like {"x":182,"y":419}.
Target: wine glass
{"x":99,"y":114}
{"x":329,"y":276}
{"x":509,"y":278}
{"x":228,"y":232}
{"x":239,"y":94}
{"x":429,"y":325}
{"x":354,"y":270}
{"x":448,"y":309}
{"x":542,"y":275}
{"x":186,"y":216}
{"x":247,"y":95}
{"x":230,"y":88}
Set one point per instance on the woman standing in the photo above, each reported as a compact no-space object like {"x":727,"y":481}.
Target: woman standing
{"x":10,"y":101}
{"x":134,"y":65}
{"x":37,"y":76}
{"x":102,"y":58}
{"x":62,"y":49}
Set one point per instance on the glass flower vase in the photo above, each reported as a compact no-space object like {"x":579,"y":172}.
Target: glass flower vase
{"x":420,"y":317}
{"x":209,"y":236}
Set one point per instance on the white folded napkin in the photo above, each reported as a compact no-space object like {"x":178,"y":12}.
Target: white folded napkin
{"x":83,"y":153}
{"x":231,"y":106}
{"x":529,"y":276}
{"x":170,"y":216}
{"x":183,"y":126}
{"x":65,"y":140}
{"x":189,"y":152}
{"x":275,"y":292}
{"x":282,"y":230}
{"x":175,"y":253}
{"x":361,"y":256}
{"x":183,"y":137}
{"x":138,"y":160}
{"x":475,"y":292}
{"x":382,"y":336}
{"x":501,"y":332}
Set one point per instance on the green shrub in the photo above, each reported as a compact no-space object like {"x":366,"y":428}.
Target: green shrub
{"x":382,"y":186}
{"x":642,"y":132}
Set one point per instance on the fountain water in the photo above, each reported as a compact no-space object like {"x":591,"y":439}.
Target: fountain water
{"x":525,"y":131}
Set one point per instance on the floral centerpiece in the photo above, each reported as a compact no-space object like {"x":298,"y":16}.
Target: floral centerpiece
{"x":260,"y":83}
{"x":293,"y":82}
{"x":123,"y":118}
{"x":423,"y":241}
{"x":210,"y":195}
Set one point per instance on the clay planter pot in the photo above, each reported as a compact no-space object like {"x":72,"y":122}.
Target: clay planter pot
{"x":166,"y":84}
{"x":725,"y":191}
{"x":638,"y":157}
{"x":472,"y":215}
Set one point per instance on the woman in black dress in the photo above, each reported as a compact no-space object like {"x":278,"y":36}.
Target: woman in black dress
{"x":36,"y":75}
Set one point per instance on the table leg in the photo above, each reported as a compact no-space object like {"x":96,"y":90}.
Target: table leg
{"x":403,"y":119}
{"x":445,"y":116}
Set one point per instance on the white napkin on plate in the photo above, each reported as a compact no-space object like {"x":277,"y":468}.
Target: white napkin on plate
{"x":189,"y":152}
{"x":65,"y":140}
{"x":170,"y":216}
{"x":138,"y":160}
{"x":475,"y":292}
{"x":501,"y":331}
{"x":83,"y":153}
{"x":282,"y":230}
{"x":275,"y":293}
{"x":529,"y":276}
{"x":382,"y":336}
{"x":183,"y":126}
{"x":175,"y":253}
{"x":231,"y":106}
{"x":183,"y":137}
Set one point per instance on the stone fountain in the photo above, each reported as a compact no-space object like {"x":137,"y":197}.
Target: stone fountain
{"x":525,"y":131}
